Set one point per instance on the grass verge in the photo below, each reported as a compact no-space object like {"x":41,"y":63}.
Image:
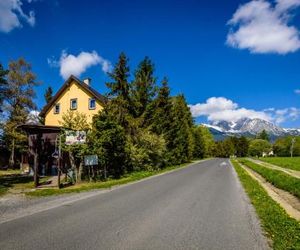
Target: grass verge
{"x":283,"y":230}
{"x":86,"y":186}
{"x":285,"y":162}
{"x":13,"y":179}
{"x":276,"y":177}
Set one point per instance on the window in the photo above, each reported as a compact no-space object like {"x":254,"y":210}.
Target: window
{"x":57,"y":108}
{"x":92,"y":103}
{"x":73,"y":104}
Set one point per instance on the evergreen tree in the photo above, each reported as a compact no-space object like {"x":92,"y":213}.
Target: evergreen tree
{"x":179,"y":137}
{"x":48,"y":94}
{"x":119,"y":87}
{"x":109,"y":144}
{"x":263,"y":135}
{"x":19,"y":94}
{"x":158,"y":116}
{"x":199,"y":143}
{"x":143,"y":87}
{"x":229,"y":149}
{"x":242,"y":147}
{"x":208,"y":141}
{"x":3,"y":85}
{"x":119,"y":92}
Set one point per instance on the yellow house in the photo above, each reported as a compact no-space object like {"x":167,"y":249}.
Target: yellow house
{"x":74,"y":95}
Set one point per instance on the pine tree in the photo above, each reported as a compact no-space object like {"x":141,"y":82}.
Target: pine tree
{"x":119,"y":92}
{"x":199,"y":143}
{"x":263,"y":135}
{"x":119,"y":87}
{"x":3,"y":85}
{"x":158,"y":116}
{"x":179,"y":137}
{"x":242,"y":147}
{"x":19,"y":101}
{"x":143,"y":87}
{"x":48,"y":94}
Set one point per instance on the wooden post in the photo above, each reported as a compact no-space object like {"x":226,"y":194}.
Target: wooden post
{"x":36,"y":168}
{"x":59,"y":162}
{"x":105,"y":172}
{"x":37,"y":147}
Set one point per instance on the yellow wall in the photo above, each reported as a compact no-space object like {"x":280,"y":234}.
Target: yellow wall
{"x":73,"y":91}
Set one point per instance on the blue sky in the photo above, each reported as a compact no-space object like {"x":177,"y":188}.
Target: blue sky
{"x":231,"y":59}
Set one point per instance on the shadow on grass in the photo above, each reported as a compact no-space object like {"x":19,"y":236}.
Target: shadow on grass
{"x":9,"y":180}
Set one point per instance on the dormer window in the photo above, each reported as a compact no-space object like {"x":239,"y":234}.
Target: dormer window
{"x":73,"y":104}
{"x":92,"y":103}
{"x":57,"y":108}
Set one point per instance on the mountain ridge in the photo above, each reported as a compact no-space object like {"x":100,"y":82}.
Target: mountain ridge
{"x":248,"y":127}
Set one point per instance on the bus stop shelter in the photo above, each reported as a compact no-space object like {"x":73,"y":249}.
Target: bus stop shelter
{"x":40,"y":137}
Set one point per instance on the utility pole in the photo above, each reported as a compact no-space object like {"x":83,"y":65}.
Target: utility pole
{"x":292,"y":146}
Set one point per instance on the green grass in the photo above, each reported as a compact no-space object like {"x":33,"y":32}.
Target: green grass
{"x":9,"y":172}
{"x":13,"y":179}
{"x":86,"y":186}
{"x":283,"y":230}
{"x":285,"y":162}
{"x":276,"y":177}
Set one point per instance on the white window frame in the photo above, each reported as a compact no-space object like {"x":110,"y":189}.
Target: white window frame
{"x":73,"y":99}
{"x":90,"y":100}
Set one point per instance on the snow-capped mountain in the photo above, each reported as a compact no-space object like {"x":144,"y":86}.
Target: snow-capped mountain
{"x":248,"y":127}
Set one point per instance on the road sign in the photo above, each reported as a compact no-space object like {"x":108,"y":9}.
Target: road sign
{"x":75,"y":137}
{"x":90,"y":160}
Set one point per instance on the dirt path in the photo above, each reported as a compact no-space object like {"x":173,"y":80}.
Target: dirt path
{"x":287,"y":201}
{"x":291,"y":172}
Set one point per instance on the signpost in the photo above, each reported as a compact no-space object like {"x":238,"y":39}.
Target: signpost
{"x":90,"y":160}
{"x":75,"y":137}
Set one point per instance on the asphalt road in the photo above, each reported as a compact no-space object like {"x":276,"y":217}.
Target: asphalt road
{"x":199,"y":207}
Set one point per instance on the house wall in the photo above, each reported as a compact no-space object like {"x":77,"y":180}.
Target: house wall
{"x":73,"y":91}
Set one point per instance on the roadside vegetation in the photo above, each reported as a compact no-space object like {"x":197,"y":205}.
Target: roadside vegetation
{"x":276,"y":177}
{"x":283,"y":230}
{"x":285,"y":162}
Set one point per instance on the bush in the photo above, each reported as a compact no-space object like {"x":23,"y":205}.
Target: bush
{"x":258,"y":146}
{"x":146,"y":151}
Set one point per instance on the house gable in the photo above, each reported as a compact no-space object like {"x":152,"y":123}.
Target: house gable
{"x":75,"y":89}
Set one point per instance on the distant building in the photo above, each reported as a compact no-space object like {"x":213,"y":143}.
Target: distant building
{"x":271,"y":153}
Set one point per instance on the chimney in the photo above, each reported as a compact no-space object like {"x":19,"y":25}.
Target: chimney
{"x":87,"y":81}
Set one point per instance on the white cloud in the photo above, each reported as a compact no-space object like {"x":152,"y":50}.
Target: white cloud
{"x":263,"y":27}
{"x":223,"y":109}
{"x":76,"y":65}
{"x":11,"y":15}
{"x":282,"y":115}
